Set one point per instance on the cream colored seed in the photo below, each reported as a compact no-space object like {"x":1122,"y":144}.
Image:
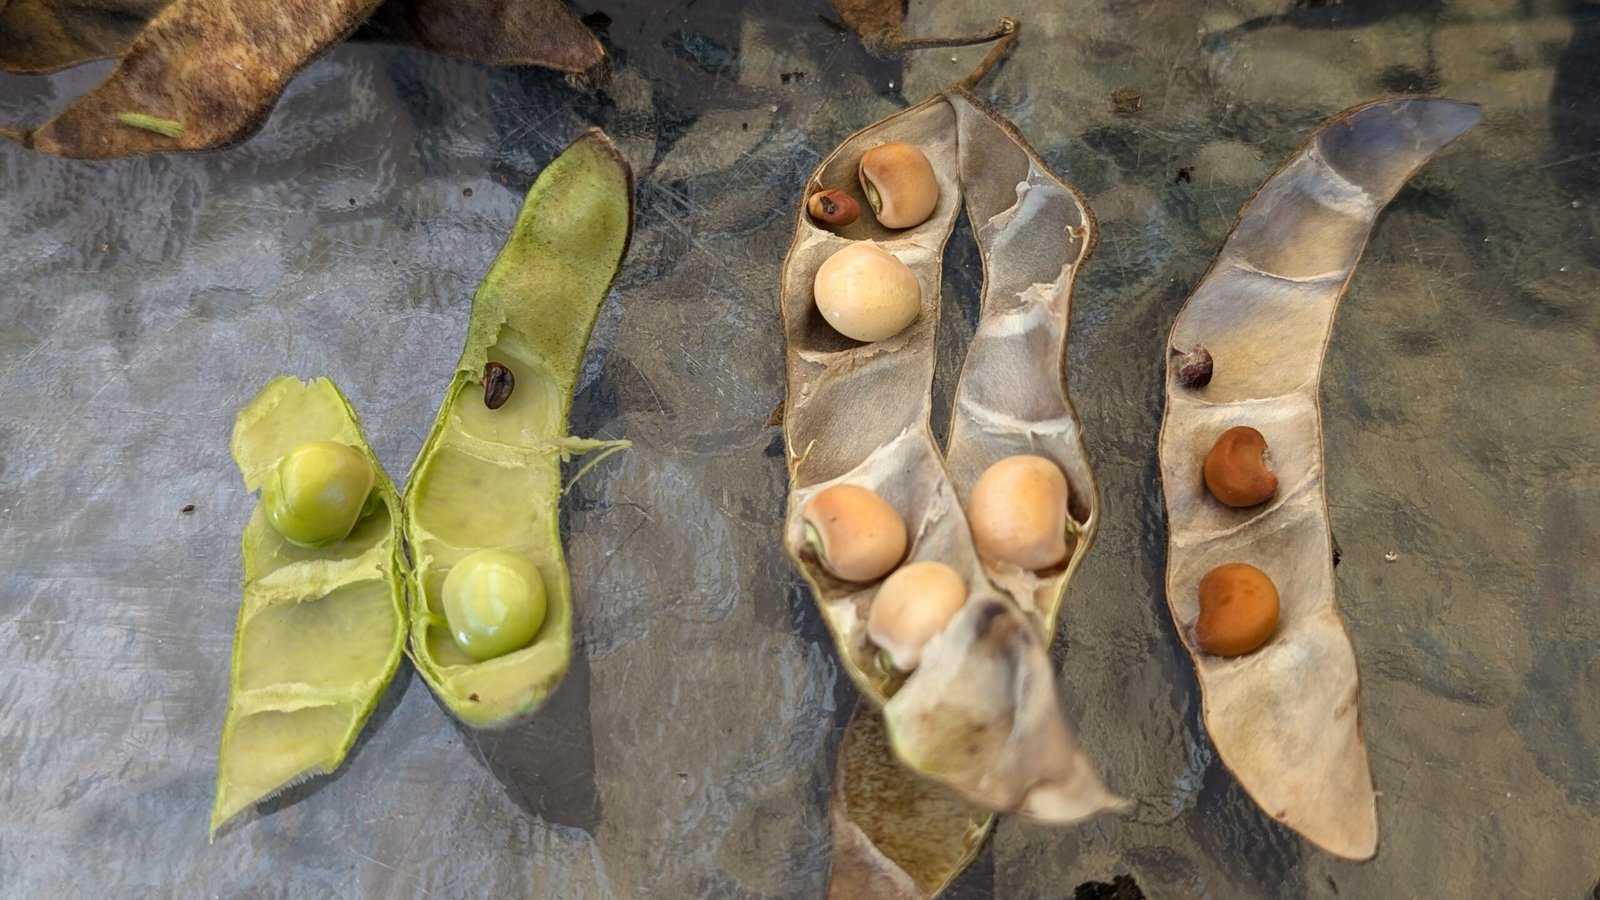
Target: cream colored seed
{"x":912,"y":606}
{"x":866,"y":293}
{"x":899,"y":184}
{"x":1018,"y":512}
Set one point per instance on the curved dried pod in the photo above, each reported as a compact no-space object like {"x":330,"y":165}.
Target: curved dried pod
{"x":1034,"y":232}
{"x":980,"y":710}
{"x":1286,"y":719}
{"x":858,"y":413}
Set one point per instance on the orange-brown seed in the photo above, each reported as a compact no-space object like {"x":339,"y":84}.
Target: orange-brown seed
{"x":1236,"y":468}
{"x":899,"y":184}
{"x":1238,"y":610}
{"x":858,"y":536}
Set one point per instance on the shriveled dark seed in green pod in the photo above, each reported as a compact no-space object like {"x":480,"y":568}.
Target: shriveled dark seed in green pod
{"x":498,"y":383}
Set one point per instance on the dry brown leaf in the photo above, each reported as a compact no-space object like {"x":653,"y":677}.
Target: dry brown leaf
{"x":203,"y":74}
{"x":896,"y":835}
{"x":1286,"y":719}
{"x":524,"y":33}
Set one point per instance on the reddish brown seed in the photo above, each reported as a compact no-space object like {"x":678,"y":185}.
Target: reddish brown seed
{"x":1238,"y":610}
{"x":1236,"y":468}
{"x":1194,"y":368}
{"x":498,"y":384}
{"x":833,"y":207}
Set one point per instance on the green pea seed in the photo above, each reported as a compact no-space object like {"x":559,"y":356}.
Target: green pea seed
{"x":494,"y":601}
{"x":317,"y":493}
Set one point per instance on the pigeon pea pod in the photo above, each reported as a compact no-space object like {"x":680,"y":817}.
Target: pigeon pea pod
{"x":1033,"y":232}
{"x":1285,"y":718}
{"x":489,"y":475}
{"x":978,"y":709}
{"x":321,"y":628}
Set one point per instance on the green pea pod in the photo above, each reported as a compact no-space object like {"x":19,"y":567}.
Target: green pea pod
{"x":320,"y":630}
{"x":491,"y":477}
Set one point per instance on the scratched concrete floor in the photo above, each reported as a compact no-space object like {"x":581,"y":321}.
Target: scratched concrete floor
{"x":688,"y":753}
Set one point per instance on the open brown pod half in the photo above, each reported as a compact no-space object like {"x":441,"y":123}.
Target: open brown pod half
{"x":980,"y":711}
{"x":1033,"y":232}
{"x":1286,"y":719}
{"x":204,"y":74}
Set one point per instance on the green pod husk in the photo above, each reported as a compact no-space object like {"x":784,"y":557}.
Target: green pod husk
{"x":492,"y":477}
{"x":320,"y":631}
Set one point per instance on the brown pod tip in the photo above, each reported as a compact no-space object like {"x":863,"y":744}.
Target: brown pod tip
{"x":1238,"y":610}
{"x":1236,"y":468}
{"x":833,"y":207}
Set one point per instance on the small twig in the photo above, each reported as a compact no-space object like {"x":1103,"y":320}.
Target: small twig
{"x":1005,"y":37}
{"x":1007,"y":26}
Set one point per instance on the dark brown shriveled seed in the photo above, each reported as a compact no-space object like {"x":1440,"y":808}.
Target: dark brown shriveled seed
{"x":1194,"y":369}
{"x":497,"y":385}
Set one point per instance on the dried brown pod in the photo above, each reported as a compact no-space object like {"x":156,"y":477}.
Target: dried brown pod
{"x":544,"y":33}
{"x":896,"y":835}
{"x":1286,"y":719}
{"x":46,"y":35}
{"x":979,"y":713}
{"x":211,"y":68}
{"x":203,"y":74}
